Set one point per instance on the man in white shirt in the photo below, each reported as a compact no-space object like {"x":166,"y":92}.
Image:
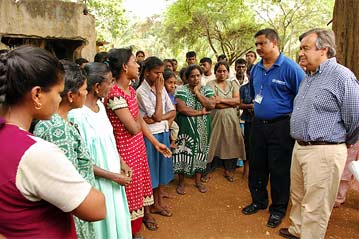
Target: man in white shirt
{"x":241,"y":75}
{"x":206,"y":66}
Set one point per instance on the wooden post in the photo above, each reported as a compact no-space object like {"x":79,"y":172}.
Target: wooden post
{"x":346,"y":29}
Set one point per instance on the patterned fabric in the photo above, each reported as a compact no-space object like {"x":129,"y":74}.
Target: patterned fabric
{"x":117,"y":103}
{"x":97,"y":132}
{"x":327,"y":105}
{"x":226,"y":137}
{"x":133,"y":151}
{"x":191,"y":155}
{"x":68,"y":139}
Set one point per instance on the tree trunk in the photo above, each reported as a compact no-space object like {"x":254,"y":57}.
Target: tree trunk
{"x":346,"y":29}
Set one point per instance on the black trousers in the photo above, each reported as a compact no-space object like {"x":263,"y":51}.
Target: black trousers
{"x":247,"y":133}
{"x":272,"y":152}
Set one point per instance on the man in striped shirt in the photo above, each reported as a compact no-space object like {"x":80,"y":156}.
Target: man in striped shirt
{"x":324,"y":122}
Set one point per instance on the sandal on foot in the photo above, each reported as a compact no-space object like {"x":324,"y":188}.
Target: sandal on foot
{"x":151,"y":224}
{"x":180,"y":190}
{"x":229,"y":178}
{"x":201,"y":187}
{"x":162,"y":212}
{"x":205,"y":178}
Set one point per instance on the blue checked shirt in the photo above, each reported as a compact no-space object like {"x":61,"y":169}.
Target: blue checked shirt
{"x":327,"y":106}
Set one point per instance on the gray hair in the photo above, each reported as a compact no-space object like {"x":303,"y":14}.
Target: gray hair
{"x":325,"y":39}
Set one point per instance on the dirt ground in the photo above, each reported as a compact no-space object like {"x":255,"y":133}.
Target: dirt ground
{"x":217,"y":214}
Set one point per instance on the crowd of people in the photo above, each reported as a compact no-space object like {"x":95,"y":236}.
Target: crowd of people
{"x":88,"y":146}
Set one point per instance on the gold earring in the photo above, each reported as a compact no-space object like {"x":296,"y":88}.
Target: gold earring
{"x":38,"y":106}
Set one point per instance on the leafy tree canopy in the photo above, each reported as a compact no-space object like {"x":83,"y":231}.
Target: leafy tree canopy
{"x":225,"y":27}
{"x":211,"y":27}
{"x":110,"y":19}
{"x":290,"y":18}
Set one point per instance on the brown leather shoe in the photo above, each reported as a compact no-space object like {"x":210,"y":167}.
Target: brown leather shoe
{"x":286,"y":234}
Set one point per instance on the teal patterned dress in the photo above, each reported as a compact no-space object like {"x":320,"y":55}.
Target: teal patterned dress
{"x":194,"y":133}
{"x":66,"y":136}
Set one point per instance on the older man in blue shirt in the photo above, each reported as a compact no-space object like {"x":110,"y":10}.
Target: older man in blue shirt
{"x":276,"y":80}
{"x":324,"y":121}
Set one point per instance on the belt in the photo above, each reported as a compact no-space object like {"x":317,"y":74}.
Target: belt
{"x":303,"y":143}
{"x":271,"y":121}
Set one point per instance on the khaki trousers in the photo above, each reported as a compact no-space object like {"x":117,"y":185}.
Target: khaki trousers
{"x":315,"y":176}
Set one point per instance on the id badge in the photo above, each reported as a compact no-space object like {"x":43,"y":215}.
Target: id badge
{"x":258,"y":98}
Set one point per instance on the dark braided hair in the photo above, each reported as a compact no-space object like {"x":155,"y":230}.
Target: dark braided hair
{"x":3,"y":70}
{"x":24,"y":68}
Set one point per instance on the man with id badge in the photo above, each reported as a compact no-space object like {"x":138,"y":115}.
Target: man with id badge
{"x":275,"y":82}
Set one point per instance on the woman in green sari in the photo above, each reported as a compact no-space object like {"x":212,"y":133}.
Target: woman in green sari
{"x":193,"y":101}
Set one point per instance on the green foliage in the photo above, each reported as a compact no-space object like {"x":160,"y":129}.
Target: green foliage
{"x":145,"y":35}
{"x":208,"y":27}
{"x":290,"y":18}
{"x":110,"y":20}
{"x":221,"y":26}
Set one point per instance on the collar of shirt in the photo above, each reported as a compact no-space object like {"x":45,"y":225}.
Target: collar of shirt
{"x":278,"y":62}
{"x":145,"y":84}
{"x":324,"y":65}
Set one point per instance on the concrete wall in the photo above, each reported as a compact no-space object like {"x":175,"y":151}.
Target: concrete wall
{"x":48,"y":19}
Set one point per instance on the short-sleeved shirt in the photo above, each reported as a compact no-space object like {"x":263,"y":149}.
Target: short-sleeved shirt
{"x":146,"y":98}
{"x":67,"y":137}
{"x":37,"y":181}
{"x":277,"y":86}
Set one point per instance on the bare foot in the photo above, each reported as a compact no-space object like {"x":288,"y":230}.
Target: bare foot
{"x":161,"y":211}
